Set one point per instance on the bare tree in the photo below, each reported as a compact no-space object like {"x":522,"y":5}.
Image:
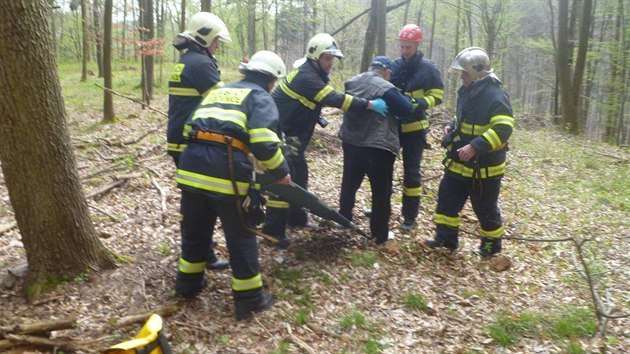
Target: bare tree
{"x":380,"y":8}
{"x":206,"y":5}
{"x":84,"y":31}
{"x":147,"y":31}
{"x":40,"y":169}
{"x":98,"y":40}
{"x":251,"y":27}
{"x":108,"y":103}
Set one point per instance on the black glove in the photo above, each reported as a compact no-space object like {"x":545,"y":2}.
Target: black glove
{"x":253,"y":205}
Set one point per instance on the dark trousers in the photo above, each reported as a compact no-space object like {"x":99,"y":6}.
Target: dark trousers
{"x":200,"y":214}
{"x":452,"y":196}
{"x":378,"y":165}
{"x":277,"y":218}
{"x":412,"y":145}
{"x":212,"y":257}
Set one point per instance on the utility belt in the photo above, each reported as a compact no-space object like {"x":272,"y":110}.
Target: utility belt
{"x":220,"y":138}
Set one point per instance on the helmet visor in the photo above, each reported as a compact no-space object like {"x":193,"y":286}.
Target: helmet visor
{"x":334,"y":52}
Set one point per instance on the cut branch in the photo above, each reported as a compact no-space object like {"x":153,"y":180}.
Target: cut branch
{"x":144,"y":104}
{"x":345,"y":25}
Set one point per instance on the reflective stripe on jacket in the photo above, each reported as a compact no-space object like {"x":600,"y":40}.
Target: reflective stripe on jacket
{"x":300,"y":98}
{"x":485,"y":120}
{"x":242,"y":111}
{"x":192,"y":77}
{"x":419,"y":79}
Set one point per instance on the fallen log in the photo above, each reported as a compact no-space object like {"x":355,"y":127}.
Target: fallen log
{"x":132,"y":319}
{"x":64,"y":345}
{"x":39,"y":327}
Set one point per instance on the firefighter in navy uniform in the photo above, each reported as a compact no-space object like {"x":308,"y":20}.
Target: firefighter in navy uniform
{"x":476,"y":146}
{"x":419,"y":79}
{"x":194,"y":75}
{"x":214,"y":174}
{"x":300,"y":98}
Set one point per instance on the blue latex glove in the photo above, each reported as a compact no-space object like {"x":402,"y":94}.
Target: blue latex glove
{"x":379,"y":106}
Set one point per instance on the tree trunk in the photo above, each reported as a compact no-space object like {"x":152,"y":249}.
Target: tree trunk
{"x":430,"y":53}
{"x":96,"y":14}
{"x":147,"y":35}
{"x":564,"y":67}
{"x":37,"y":158}
{"x":84,"y":31}
{"x":370,"y":39}
{"x":381,"y":27}
{"x":182,"y":19}
{"x":206,"y":5}
{"x":251,"y":27}
{"x":580,"y":62}
{"x":123,"y":44}
{"x":613,"y":94}
{"x":108,"y":103}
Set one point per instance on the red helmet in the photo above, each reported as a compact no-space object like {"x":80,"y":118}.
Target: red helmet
{"x":411,"y":33}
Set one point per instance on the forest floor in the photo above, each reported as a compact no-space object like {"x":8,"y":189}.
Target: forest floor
{"x":336,"y":294}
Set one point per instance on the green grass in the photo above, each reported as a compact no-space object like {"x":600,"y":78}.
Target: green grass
{"x":302,"y":316}
{"x":508,"y":328}
{"x":415,"y":302}
{"x":355,"y":319}
{"x":564,"y":325}
{"x":364,"y":259}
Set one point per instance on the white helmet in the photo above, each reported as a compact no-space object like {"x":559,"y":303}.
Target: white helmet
{"x":322,"y":43}
{"x":203,"y":27}
{"x":265,"y":62}
{"x":474,"y":61}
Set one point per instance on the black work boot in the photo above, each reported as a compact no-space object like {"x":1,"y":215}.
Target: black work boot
{"x":245,"y":308}
{"x":441,"y":242}
{"x":489,"y":247}
{"x":215,"y":263}
{"x":189,"y":285}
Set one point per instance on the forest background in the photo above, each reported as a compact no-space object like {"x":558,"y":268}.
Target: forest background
{"x":570,"y":189}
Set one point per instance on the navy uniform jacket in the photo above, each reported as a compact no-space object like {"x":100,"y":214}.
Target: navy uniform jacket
{"x":485,"y":120}
{"x":246,"y":112}
{"x":193,"y":76}
{"x":419,"y":79}
{"x":301,"y":96}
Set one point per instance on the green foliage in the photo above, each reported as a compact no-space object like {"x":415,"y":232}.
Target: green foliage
{"x":574,"y":347}
{"x":509,"y":327}
{"x":283,"y":348}
{"x":355,"y":319}
{"x":224,"y":340}
{"x":292,"y":275}
{"x":567,"y":323}
{"x":302,"y":316}
{"x":364,"y":259}
{"x":164,"y":248}
{"x":372,"y":346}
{"x":573,"y":322}
{"x":415,"y":302}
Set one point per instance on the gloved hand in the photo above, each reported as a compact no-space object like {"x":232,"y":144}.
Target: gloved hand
{"x":253,"y":204}
{"x":379,"y":106}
